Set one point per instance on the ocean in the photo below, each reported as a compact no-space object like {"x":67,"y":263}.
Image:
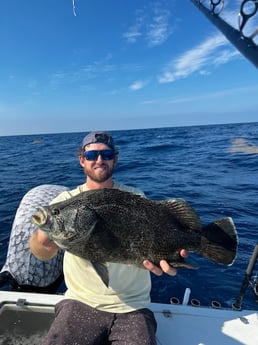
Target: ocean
{"x":213,"y":167}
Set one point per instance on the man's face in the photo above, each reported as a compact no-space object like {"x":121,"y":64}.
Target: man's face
{"x":98,"y":170}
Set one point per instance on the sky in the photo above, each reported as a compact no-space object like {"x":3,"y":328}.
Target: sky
{"x":82,"y":65}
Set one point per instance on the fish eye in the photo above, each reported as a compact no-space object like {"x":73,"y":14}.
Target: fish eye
{"x":56,"y":211}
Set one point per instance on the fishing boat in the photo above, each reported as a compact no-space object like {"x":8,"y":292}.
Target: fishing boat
{"x":26,"y":317}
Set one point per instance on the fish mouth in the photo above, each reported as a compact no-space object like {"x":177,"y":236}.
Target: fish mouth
{"x":46,"y":223}
{"x":41,"y":217}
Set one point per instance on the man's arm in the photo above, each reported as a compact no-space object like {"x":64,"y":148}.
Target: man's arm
{"x":42,"y":247}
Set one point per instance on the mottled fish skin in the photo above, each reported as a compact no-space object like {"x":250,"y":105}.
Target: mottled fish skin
{"x":20,"y":262}
{"x":111,"y":225}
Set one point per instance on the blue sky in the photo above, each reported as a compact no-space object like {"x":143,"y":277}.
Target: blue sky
{"x":117,"y":64}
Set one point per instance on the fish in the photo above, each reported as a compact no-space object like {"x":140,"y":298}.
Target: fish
{"x":111,"y":225}
{"x":25,"y":268}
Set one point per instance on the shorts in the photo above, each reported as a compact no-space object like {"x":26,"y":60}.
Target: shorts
{"x":76,"y":323}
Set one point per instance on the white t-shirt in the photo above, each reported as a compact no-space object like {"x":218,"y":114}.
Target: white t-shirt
{"x":129,"y":286}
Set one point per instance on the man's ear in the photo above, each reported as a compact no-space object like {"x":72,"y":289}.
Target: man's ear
{"x":81,"y":161}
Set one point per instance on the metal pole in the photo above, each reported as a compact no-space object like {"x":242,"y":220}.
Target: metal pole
{"x":245,"y":283}
{"x":245,"y":45}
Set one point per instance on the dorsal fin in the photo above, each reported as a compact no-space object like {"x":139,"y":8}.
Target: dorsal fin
{"x":184,"y":213}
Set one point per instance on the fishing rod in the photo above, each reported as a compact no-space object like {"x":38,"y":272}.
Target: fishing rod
{"x":245,"y":44}
{"x":246,"y":280}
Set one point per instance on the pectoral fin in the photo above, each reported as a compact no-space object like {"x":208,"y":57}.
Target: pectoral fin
{"x":102,"y":271}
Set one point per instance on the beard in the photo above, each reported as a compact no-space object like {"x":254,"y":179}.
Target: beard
{"x":99,"y":173}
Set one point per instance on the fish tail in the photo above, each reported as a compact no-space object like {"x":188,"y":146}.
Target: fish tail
{"x":219,"y":241}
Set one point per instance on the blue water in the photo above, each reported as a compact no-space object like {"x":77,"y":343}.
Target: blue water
{"x":194,"y":163}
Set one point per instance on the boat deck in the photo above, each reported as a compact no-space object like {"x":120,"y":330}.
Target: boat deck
{"x":26,"y":317}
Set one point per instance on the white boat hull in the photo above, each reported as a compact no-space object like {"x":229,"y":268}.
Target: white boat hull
{"x":26,"y":317}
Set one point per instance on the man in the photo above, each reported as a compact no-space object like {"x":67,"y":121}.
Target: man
{"x":92,"y":313}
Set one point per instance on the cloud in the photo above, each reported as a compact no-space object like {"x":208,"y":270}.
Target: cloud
{"x":86,"y":73}
{"x":206,"y":54}
{"x":151,"y":24}
{"x":158,"y":30}
{"x":103,"y":71}
{"x":137,"y":85}
{"x":133,"y":34}
{"x":205,"y":96}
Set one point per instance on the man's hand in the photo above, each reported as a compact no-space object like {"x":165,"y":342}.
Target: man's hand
{"x":164,"y":265}
{"x":41,"y":246}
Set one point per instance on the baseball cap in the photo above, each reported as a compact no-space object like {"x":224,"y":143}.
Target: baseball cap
{"x":99,"y":137}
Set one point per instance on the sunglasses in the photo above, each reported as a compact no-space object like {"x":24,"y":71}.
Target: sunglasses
{"x":92,"y":155}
